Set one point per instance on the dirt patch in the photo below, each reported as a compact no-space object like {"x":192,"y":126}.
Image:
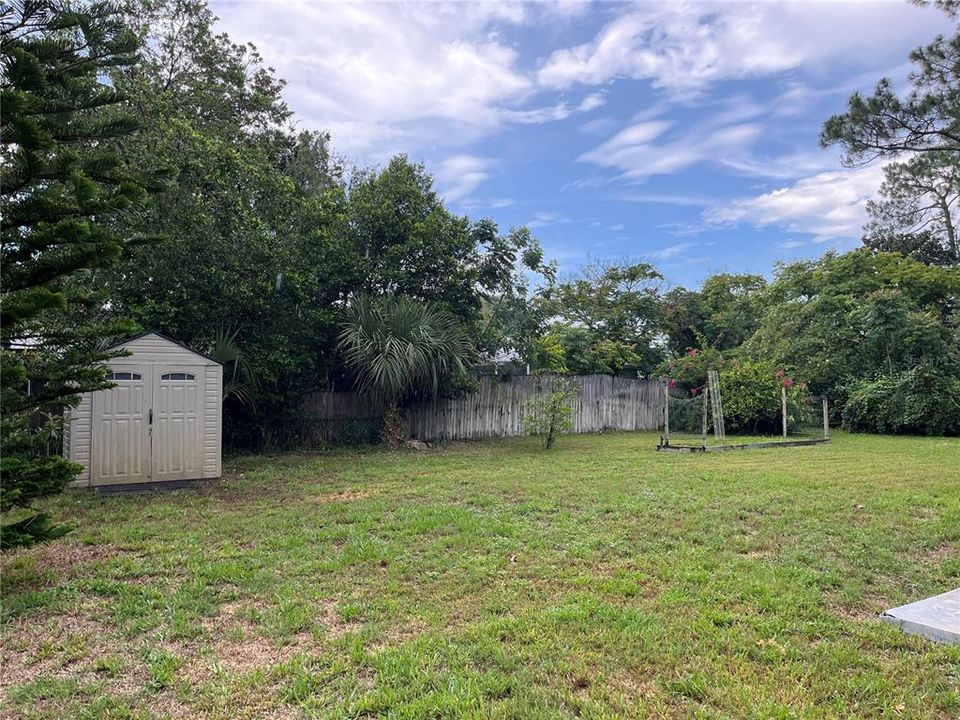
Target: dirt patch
{"x":60,"y":646}
{"x":868,"y":608}
{"x":57,"y":561}
{"x":633,"y":685}
{"x":755,"y":553}
{"x":343,"y":496}
{"x":399,"y":634}
{"x":238,"y":646}
{"x":941,"y":553}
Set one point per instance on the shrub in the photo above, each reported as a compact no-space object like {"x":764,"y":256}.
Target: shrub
{"x":689,"y":371}
{"x":551,"y":414}
{"x":750,"y":392}
{"x":920,"y":401}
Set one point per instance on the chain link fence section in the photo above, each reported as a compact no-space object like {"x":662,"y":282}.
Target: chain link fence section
{"x":807,"y":417}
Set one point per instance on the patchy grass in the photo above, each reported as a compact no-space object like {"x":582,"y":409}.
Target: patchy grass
{"x":495,"y":579}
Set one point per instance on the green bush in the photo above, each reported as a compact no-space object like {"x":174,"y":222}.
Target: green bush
{"x":551,"y":413}
{"x":689,"y":371}
{"x":920,"y":401}
{"x":750,"y":392}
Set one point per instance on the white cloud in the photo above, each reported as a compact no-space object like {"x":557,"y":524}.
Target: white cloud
{"x":666,"y":199}
{"x":459,"y":175}
{"x":542,"y":219}
{"x":592,"y":102}
{"x":829,"y":205}
{"x":371,"y":72}
{"x":671,"y":251}
{"x":685,"y":47}
{"x":390,"y":77}
{"x":633,"y":153}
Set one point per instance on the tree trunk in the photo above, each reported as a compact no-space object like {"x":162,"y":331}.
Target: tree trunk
{"x":952,"y":245}
{"x":393,"y":426}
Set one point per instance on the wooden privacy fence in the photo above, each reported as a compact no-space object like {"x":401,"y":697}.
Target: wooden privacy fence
{"x":498,"y":407}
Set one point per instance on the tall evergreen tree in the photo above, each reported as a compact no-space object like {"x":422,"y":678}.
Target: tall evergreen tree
{"x":916,"y":209}
{"x":63,"y":197}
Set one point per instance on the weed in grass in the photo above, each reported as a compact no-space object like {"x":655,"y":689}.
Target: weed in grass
{"x":162,"y":666}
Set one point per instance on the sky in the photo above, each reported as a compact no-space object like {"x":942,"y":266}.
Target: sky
{"x":681,"y":134}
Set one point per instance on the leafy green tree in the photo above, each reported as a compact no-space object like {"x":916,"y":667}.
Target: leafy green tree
{"x":410,"y":244}
{"x":919,"y":193}
{"x":846,"y":318}
{"x":731,"y":307}
{"x":916,"y":209}
{"x":681,"y":320}
{"x":399,"y":347}
{"x":575,"y":349}
{"x":189,"y":71}
{"x":607,"y":318}
{"x":721,"y":315}
{"x":551,"y":412}
{"x":924,"y":400}
{"x":65,"y":199}
{"x":751,"y":394}
{"x":253,"y":216}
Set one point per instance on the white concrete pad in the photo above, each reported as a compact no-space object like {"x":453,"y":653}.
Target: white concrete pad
{"x":936,"y":618}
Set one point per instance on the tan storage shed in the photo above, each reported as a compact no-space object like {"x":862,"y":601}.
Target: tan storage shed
{"x":161,"y":422}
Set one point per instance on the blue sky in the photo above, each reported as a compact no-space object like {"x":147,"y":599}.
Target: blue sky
{"x":683,"y":134}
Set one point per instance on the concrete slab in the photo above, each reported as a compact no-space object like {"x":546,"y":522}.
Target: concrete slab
{"x":936,"y":618}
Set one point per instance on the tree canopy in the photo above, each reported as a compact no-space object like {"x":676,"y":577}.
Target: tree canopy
{"x":67,"y":202}
{"x":917,"y":207}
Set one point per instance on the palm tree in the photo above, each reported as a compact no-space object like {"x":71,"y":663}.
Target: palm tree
{"x":400,"y":347}
{"x":239,"y":380}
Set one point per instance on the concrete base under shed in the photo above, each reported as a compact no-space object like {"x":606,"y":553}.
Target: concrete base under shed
{"x":936,"y":618}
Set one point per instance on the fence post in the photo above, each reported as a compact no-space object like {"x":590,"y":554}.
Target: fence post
{"x":826,"y":419}
{"x":666,"y":413}
{"x":783,"y":408}
{"x":703,"y":428}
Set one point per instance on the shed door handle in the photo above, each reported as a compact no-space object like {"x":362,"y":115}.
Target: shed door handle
{"x":151,"y":416}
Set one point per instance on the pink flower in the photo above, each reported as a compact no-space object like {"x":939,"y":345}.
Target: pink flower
{"x":780,"y":373}
{"x":672,"y":383}
{"x":692,"y":352}
{"x":694,"y":391}
{"x":787,"y":383}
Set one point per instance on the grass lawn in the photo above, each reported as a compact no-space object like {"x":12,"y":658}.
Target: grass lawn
{"x":494,"y":579}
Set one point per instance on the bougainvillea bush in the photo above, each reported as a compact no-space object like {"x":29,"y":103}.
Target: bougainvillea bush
{"x":751,"y":395}
{"x":749,"y":389}
{"x":687,"y":374}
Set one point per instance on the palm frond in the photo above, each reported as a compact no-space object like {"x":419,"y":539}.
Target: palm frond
{"x":396,"y":347}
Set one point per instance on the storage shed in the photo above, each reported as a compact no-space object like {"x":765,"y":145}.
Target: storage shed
{"x":161,"y":422}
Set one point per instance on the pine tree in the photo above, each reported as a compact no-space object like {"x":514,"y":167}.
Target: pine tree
{"x":64,"y":194}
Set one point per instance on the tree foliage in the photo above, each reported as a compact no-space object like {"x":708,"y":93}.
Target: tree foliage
{"x":921,"y":133}
{"x":603,"y":321}
{"x":858,"y":315}
{"x":550,"y":413}
{"x":400,"y":347}
{"x":66,"y":197}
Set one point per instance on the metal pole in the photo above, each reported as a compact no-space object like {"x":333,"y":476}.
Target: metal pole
{"x":666,"y":413}
{"x":703,"y":430}
{"x":783,"y":407}
{"x":826,"y":419}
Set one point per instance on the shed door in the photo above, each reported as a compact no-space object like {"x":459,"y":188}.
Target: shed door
{"x":177,"y":423}
{"x":121,"y":434}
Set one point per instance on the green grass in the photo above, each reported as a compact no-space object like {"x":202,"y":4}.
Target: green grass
{"x":598,"y":580}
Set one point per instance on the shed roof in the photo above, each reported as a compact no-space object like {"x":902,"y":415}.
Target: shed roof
{"x":162,"y":338}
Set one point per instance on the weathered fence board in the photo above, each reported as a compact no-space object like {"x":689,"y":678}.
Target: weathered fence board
{"x":498,"y":407}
